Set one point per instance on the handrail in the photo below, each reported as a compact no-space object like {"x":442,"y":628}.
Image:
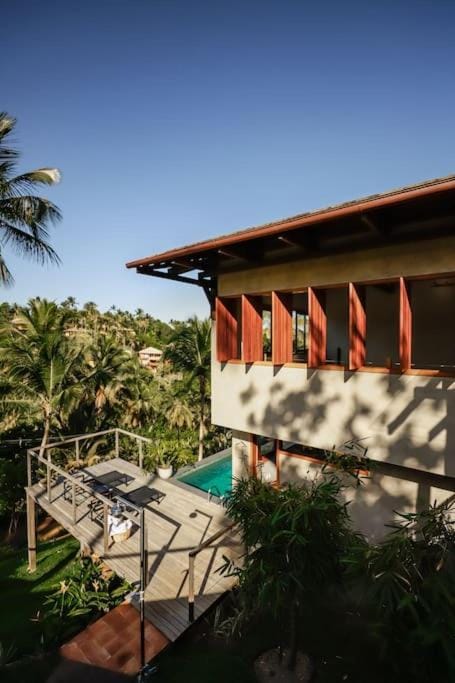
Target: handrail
{"x":77,"y":483}
{"x":76,"y":440}
{"x":82,"y":437}
{"x":191,"y":564}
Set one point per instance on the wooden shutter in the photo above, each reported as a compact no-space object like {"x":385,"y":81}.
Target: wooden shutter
{"x":281,"y":328}
{"x":405,"y":342}
{"x":252,"y":344}
{"x":357,"y":327}
{"x":317,"y":348}
{"x":226,"y":329}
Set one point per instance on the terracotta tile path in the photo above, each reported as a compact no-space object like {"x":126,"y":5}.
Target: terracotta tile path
{"x":112,"y":642}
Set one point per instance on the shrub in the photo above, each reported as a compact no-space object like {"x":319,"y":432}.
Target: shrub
{"x":407,"y":586}
{"x":87,"y":592}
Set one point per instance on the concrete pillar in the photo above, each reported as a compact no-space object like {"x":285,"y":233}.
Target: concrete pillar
{"x":31,"y":533}
{"x":242,"y":465}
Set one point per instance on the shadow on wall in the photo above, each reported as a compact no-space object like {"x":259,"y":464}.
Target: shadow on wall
{"x":401,"y":481}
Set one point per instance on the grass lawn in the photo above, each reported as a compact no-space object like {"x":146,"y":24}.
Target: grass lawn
{"x":23,"y":594}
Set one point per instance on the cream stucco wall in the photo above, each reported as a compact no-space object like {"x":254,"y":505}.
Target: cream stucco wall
{"x":376,"y":502}
{"x":407,"y":420}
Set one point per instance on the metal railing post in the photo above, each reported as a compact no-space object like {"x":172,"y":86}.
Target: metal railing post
{"x":77,"y":450}
{"x":141,"y":455}
{"x":116,"y":443}
{"x":29,"y":468}
{"x":143,"y":570}
{"x":48,"y":473}
{"x":74,"y":502}
{"x":105,"y":529}
{"x":191,"y":588}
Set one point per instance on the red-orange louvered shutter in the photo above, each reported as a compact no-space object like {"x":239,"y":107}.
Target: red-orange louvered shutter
{"x":357,"y":327}
{"x":281,"y":328}
{"x":405,"y":325}
{"x":317,"y":347}
{"x":226,"y":329}
{"x":252,"y":342}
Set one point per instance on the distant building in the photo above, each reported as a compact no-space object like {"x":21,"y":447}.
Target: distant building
{"x":150,"y":357}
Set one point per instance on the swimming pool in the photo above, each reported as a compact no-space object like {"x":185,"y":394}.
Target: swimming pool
{"x":215,"y":477}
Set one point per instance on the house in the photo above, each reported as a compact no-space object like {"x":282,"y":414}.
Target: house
{"x":150,"y":357}
{"x":335,"y":331}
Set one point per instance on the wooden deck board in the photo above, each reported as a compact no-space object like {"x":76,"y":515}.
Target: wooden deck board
{"x":179,"y":523}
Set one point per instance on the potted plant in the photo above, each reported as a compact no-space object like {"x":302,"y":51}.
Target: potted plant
{"x":164,"y":460}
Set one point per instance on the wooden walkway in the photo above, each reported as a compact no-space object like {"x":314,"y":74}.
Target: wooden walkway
{"x":176,"y":525}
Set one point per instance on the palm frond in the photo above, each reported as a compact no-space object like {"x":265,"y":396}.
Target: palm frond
{"x":6,"y":278}
{"x":27,"y":244}
{"x":28,"y":181}
{"x":7,"y":124}
{"x":35,"y":212}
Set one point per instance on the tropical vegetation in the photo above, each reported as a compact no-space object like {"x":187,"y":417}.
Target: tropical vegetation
{"x":69,"y":370}
{"x":362,"y":610}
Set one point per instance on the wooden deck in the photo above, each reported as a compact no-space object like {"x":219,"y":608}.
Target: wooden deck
{"x":179,"y":523}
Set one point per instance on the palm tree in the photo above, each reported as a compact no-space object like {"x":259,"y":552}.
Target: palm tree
{"x":41,"y":363}
{"x":178,"y":413}
{"x":109,"y":369}
{"x":144,"y":397}
{"x":24,"y":217}
{"x":189,"y":352}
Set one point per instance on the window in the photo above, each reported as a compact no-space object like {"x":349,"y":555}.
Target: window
{"x":266,"y":303}
{"x":377,"y":335}
{"x":336,"y":301}
{"x":433,"y":323}
{"x":328,"y":326}
{"x":299,"y":302}
{"x":382,"y":318}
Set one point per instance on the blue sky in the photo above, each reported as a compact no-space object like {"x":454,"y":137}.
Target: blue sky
{"x":177,"y":120}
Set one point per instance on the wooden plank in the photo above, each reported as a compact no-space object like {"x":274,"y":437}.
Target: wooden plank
{"x":227,"y":329}
{"x":357,"y":327}
{"x":252,"y":341}
{"x":281,"y":328}
{"x":174,"y":529}
{"x":317,"y":347}
{"x":405,"y":340}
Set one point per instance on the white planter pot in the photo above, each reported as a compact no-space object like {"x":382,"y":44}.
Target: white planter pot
{"x":165,"y":472}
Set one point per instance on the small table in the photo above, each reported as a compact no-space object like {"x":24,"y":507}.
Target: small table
{"x":143,"y":495}
{"x":112,"y":478}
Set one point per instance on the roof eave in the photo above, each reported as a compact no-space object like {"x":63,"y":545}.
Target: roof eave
{"x":305,"y":220}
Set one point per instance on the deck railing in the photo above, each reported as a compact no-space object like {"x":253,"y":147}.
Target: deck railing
{"x":116,"y":431}
{"x":191,"y":565}
{"x":76,"y":485}
{"x":43,"y":458}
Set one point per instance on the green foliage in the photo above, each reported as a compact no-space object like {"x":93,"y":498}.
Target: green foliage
{"x":23,"y":594}
{"x":66,"y":370}
{"x":295,"y":538}
{"x":12,"y":482}
{"x":89,"y":590}
{"x":189,"y":351}
{"x":24,"y":218}
{"x":407,"y":584}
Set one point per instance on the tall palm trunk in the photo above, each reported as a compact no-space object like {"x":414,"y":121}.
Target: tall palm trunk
{"x":202,"y":392}
{"x":47,"y":427}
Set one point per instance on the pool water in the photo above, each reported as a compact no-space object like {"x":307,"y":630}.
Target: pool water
{"x":216,"y":477}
